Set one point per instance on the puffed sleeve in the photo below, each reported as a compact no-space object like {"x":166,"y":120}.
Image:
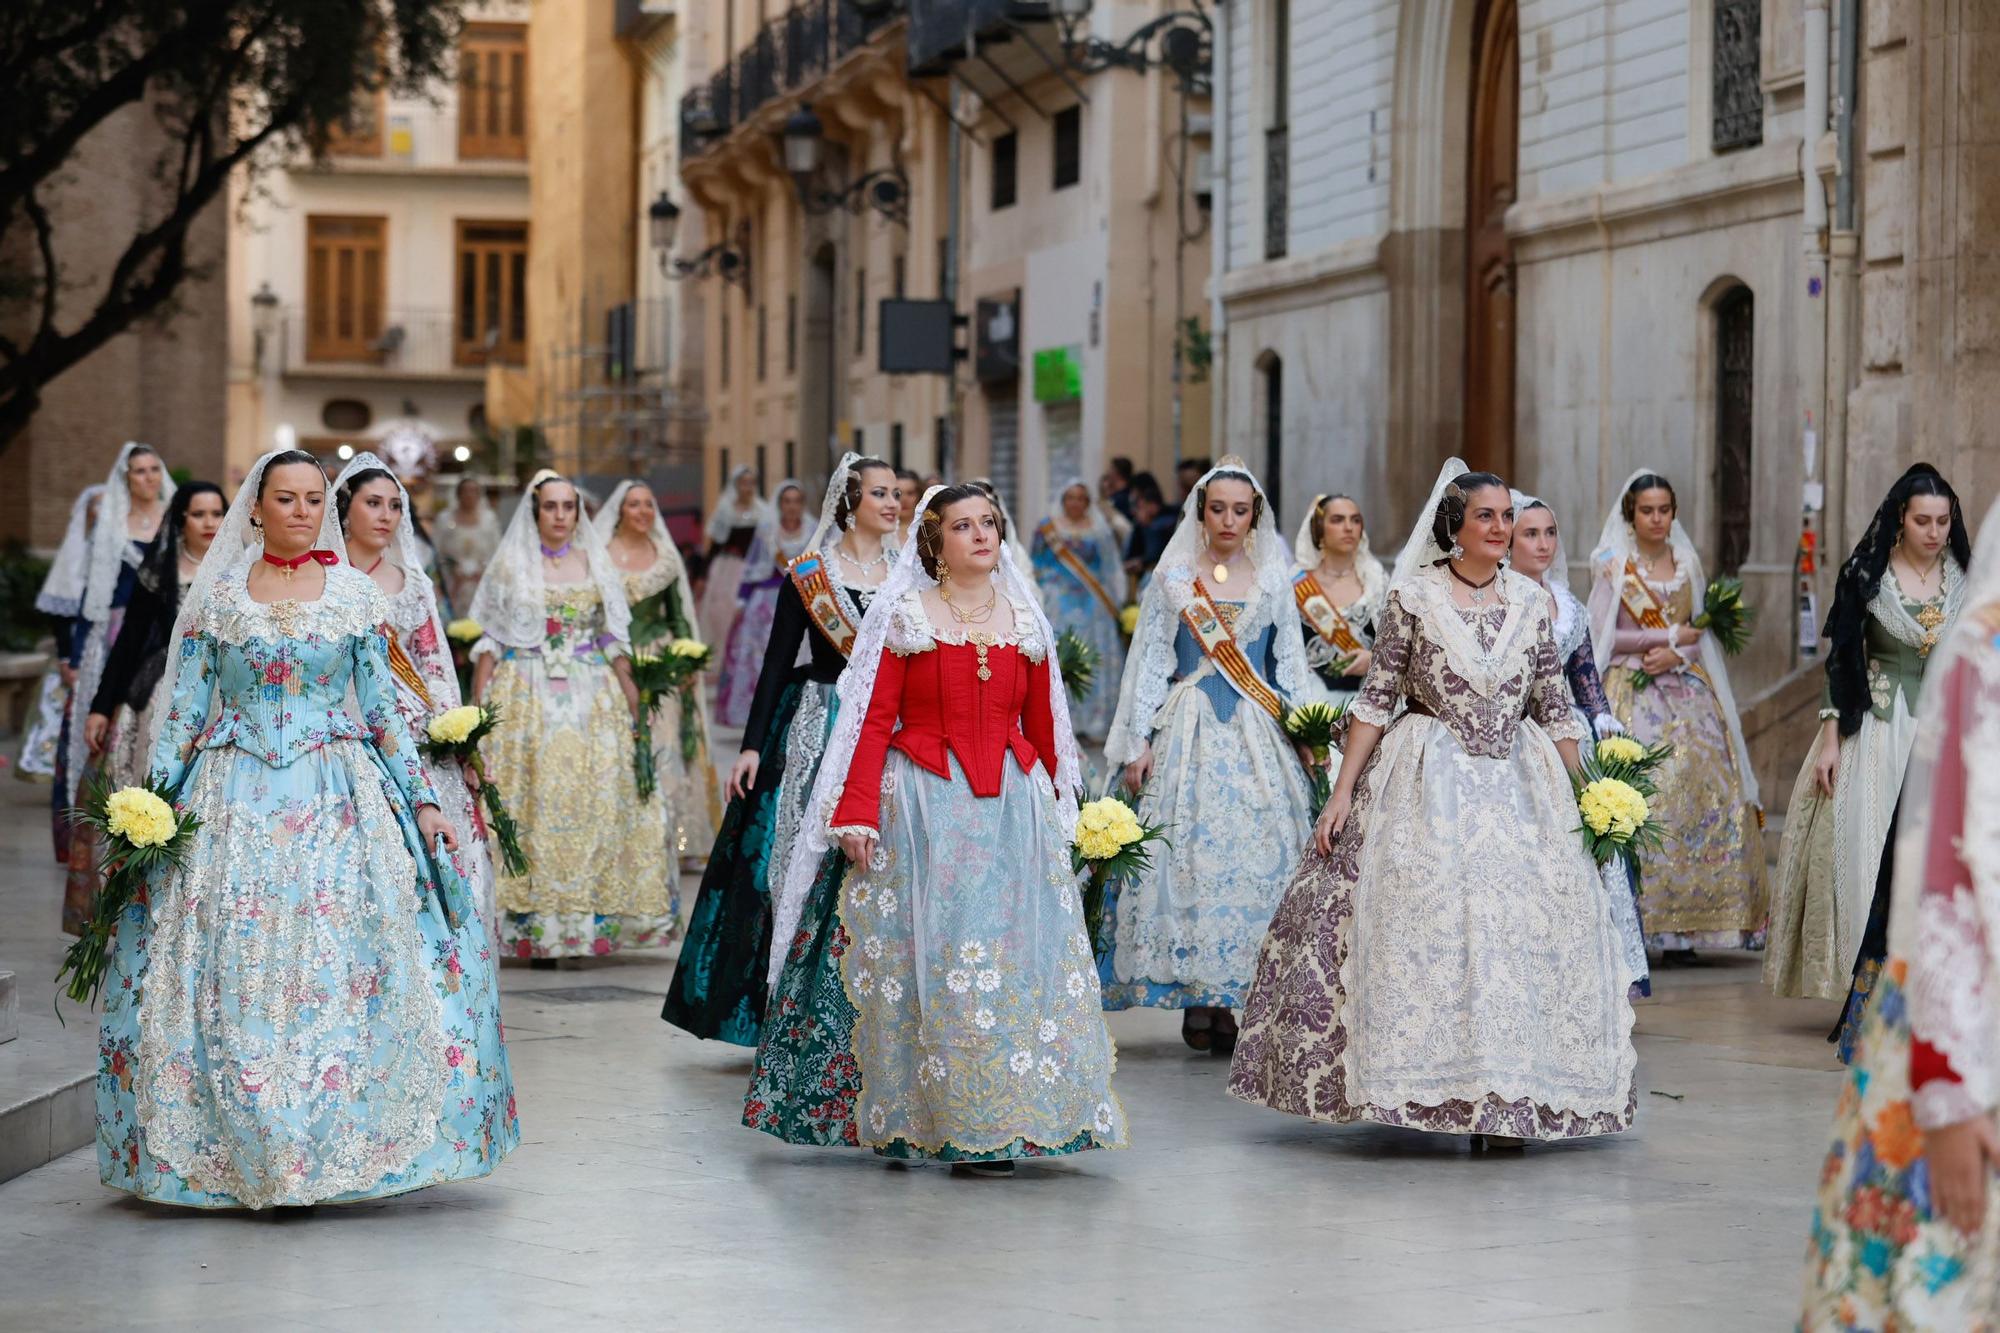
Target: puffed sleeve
{"x":861,"y":795}
{"x":1375,"y":702}
{"x":187,"y":708}
{"x":375,"y":692}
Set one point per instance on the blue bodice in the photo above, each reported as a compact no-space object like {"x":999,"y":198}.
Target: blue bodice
{"x":1261,"y":648}
{"x":273,"y":682}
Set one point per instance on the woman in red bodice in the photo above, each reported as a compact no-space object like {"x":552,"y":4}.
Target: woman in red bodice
{"x":939,"y":998}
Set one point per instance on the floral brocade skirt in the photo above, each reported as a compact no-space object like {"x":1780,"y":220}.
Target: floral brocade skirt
{"x":743,"y":653}
{"x":1879,"y":1257}
{"x":1454,"y":965}
{"x":1704,"y":887}
{"x":600,"y":877}
{"x":942,"y":1003}
{"x":290,"y":1020}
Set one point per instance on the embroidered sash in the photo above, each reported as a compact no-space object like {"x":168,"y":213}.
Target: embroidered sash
{"x":1067,"y":557}
{"x":1204,"y":620}
{"x":1320,"y":612}
{"x":1639,"y":599}
{"x":823,"y":605}
{"x":403,"y":669}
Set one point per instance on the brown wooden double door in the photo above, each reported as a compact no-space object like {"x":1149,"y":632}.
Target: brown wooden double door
{"x":1492,"y":185}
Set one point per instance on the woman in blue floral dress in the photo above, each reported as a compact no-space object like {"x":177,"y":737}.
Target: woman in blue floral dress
{"x":291,"y":1020}
{"x":1082,"y":582}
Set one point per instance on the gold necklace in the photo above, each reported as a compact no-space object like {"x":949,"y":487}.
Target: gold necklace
{"x":978,"y":615}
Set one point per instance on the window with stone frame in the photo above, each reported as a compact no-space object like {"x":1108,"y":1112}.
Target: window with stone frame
{"x":1737,"y":104}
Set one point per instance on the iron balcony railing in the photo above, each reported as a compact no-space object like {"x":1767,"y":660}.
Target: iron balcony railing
{"x":790,"y":53}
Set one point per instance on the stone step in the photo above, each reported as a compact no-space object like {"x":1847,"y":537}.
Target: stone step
{"x":10,"y":1008}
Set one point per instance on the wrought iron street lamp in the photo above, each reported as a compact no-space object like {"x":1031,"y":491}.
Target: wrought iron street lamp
{"x":722,"y":260}
{"x":1182,"y":42}
{"x":886,"y":189}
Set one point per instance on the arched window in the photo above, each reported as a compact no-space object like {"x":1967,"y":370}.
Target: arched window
{"x":1272,"y":368}
{"x":1735,"y":426}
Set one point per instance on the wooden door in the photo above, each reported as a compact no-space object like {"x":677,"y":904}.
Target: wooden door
{"x":346,"y":262}
{"x":1491,"y":187}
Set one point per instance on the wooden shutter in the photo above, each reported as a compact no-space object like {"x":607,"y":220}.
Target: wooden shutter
{"x":346,"y":276}
{"x":493,"y":91}
{"x":491,"y":317}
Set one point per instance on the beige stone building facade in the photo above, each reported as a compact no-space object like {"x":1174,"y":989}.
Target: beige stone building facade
{"x":373,"y":286}
{"x":962,"y":158}
{"x":1741,"y":241}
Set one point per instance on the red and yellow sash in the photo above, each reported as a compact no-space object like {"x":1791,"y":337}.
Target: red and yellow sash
{"x":823,"y":605}
{"x":403,"y":669}
{"x":1067,"y":557}
{"x":1320,"y":612}
{"x":1204,"y":620}
{"x":1640,"y":600}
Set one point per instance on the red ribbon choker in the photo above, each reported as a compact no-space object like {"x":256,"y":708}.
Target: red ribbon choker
{"x":326,"y":558}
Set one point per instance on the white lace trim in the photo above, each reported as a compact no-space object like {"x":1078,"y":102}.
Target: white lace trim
{"x":1891,"y":612}
{"x":349,"y":605}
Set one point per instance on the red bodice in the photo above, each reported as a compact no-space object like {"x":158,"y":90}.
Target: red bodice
{"x":943,"y":706}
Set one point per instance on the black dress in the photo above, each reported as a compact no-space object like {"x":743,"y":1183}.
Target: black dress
{"x":719,"y":985}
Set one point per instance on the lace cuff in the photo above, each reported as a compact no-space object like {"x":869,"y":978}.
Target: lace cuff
{"x":1829,"y":714}
{"x":1943,"y":1101}
{"x":839,"y":831}
{"x":1362,"y":711}
{"x":1607,"y":725}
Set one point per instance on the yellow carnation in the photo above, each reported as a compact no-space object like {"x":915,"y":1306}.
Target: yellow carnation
{"x":1620,"y":749}
{"x":1612,"y":807}
{"x":688,"y":648}
{"x":1098,"y":846}
{"x":139,"y":817}
{"x":453,"y":725}
{"x":1128,"y":620}
{"x":465,"y":629}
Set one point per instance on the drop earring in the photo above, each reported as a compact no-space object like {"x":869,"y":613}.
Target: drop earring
{"x":1457,"y":551}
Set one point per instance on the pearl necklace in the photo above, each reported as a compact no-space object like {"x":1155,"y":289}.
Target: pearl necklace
{"x":863,"y":567}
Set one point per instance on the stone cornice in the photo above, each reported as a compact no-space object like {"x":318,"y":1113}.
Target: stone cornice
{"x":1350,"y":268}
{"x":1751,"y":186}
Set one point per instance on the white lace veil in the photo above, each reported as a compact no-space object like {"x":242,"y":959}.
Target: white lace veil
{"x":828,"y":530}
{"x":771,"y":532}
{"x":236,"y":544}
{"x":606,"y":524}
{"x":1616,"y":545}
{"x":407,"y":554}
{"x":110,"y":545}
{"x":1305,"y":555}
{"x":1149,"y":663}
{"x":109,"y":550}
{"x":1421,"y":551}
{"x":1015,"y":544}
{"x":728,"y":514}
{"x":62,"y":589}
{"x":857,"y":687}
{"x":1952,"y":946}
{"x":511,"y":604}
{"x":1097,"y":528}
{"x":1556,"y":578}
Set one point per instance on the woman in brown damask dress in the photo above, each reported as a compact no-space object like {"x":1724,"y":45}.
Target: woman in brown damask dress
{"x":1445,"y":958}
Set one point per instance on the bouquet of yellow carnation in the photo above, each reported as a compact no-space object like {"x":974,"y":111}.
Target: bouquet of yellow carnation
{"x":455,"y":734}
{"x":1616,"y":810}
{"x":1128,"y":620}
{"x":658,"y":672}
{"x":1111,"y":845}
{"x":465,"y":630}
{"x":1078,"y":662}
{"x":142,"y":835}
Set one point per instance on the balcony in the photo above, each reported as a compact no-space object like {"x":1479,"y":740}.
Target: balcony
{"x":347,"y":342}
{"x":420,"y":140}
{"x":787,"y":55}
{"x":943,"y":31}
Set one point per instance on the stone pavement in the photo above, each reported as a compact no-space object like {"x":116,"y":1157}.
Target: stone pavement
{"x":637,"y":1202}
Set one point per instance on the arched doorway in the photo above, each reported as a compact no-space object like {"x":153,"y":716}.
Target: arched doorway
{"x":1493,"y":140}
